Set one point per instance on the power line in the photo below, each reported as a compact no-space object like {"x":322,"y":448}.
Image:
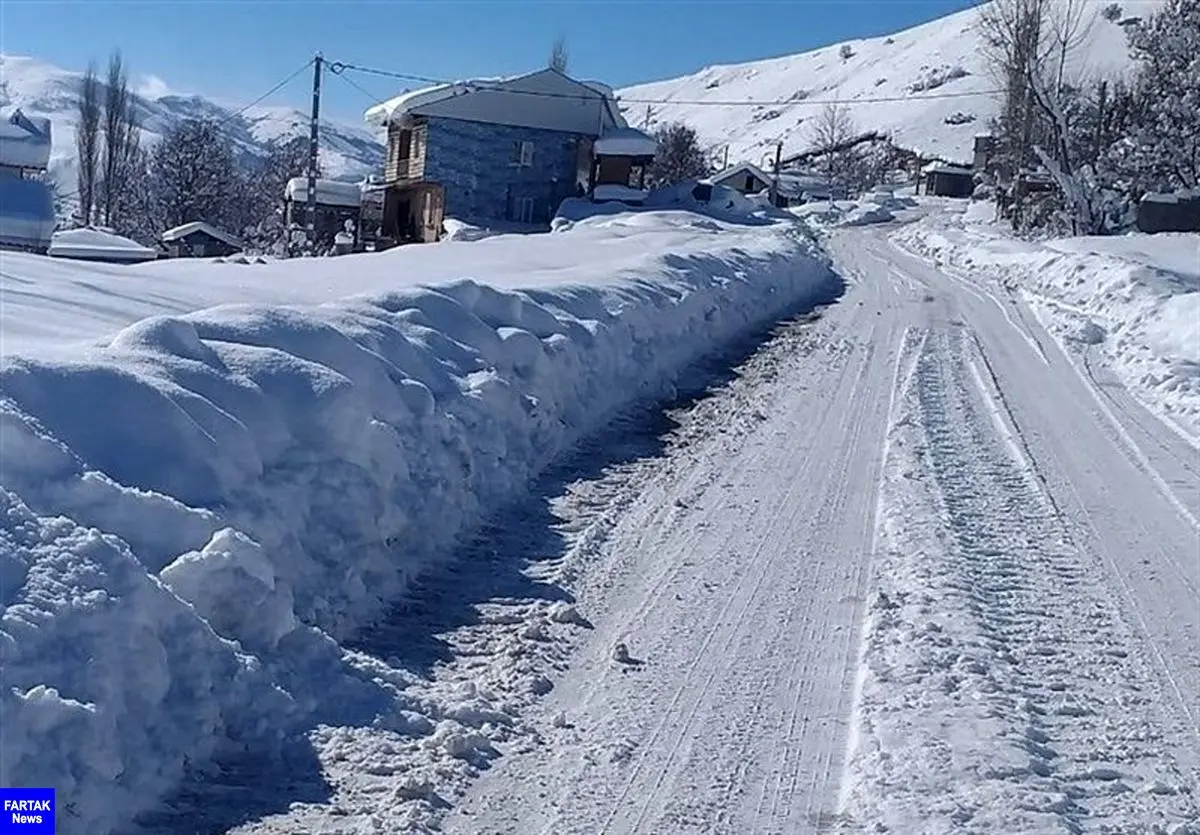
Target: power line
{"x":340,"y":66}
{"x":336,"y":69}
{"x":267,"y":94}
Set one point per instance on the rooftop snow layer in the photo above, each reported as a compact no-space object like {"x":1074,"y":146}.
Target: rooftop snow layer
{"x":329,"y":192}
{"x":97,"y":244}
{"x":199,"y":226}
{"x":397,"y":106}
{"x":628,"y":142}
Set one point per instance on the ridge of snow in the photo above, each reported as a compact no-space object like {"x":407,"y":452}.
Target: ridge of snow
{"x":286,"y":461}
{"x":942,"y":56}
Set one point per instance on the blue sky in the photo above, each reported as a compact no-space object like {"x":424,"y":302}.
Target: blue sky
{"x":235,"y":50}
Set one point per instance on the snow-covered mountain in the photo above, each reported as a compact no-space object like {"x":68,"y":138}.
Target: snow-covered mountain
{"x":347,"y":150}
{"x":892,"y":79}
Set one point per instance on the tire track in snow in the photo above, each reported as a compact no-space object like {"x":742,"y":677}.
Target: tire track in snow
{"x":1003,"y":691}
{"x":804,"y":480}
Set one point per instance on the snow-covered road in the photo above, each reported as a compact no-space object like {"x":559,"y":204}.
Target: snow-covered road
{"x":922,"y":467}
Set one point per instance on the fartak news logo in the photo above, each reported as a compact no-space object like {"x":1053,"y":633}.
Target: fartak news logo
{"x":26,"y":811}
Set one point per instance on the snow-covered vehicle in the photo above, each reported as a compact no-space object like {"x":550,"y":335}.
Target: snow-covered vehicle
{"x":26,"y":201}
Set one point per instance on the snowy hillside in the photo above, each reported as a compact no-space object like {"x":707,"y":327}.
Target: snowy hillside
{"x":893,"y":78}
{"x":41,"y":89}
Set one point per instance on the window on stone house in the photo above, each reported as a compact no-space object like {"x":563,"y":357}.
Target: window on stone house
{"x":522,"y":154}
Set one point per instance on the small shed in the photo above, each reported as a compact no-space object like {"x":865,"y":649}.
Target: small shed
{"x":1178,"y":212}
{"x":944,"y":180}
{"x":198,"y":240}
{"x":337,"y":202}
{"x":745,"y":177}
{"x":620,"y":159}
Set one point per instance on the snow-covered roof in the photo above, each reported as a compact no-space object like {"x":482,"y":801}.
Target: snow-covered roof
{"x":26,"y":212}
{"x":546,"y":99}
{"x":97,"y":245}
{"x":329,"y":192}
{"x":938,"y":167}
{"x":1175,"y":197}
{"x":626,"y":142}
{"x":741,"y":168}
{"x":408,"y":101}
{"x":24,"y":141}
{"x":199,"y":226}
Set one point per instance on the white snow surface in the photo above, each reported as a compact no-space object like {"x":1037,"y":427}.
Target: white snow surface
{"x":935,"y":58}
{"x":213,"y":471}
{"x":1131,"y":303}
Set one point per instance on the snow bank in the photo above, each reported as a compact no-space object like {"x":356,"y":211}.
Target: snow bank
{"x":284,"y":468}
{"x":111,"y":683}
{"x":1135,"y":299}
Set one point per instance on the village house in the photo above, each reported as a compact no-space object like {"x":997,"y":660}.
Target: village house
{"x":198,"y":240}
{"x":500,"y":150}
{"x":27,"y":218}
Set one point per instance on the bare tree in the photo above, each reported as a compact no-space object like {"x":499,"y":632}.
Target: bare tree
{"x":87,"y":142}
{"x":832,"y":135}
{"x":1031,"y":44}
{"x":559,"y":58}
{"x":121,"y":136}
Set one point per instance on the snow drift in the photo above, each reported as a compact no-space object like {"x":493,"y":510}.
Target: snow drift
{"x":193,"y":506}
{"x":1134,"y":299}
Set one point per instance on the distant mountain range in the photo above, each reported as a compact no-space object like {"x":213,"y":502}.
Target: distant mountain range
{"x":39,"y":89}
{"x":926,"y":88}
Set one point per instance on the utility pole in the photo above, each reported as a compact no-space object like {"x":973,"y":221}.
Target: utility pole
{"x":725,"y":167}
{"x":649,"y":113}
{"x":312,"y":151}
{"x":775,"y":187}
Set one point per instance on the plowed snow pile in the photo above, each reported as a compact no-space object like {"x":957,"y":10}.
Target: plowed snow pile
{"x":197,"y":507}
